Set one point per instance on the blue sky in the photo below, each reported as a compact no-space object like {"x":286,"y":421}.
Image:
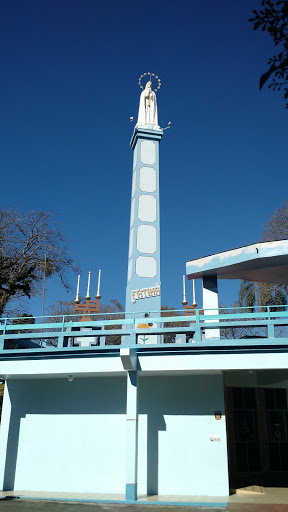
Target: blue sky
{"x":69,"y":84}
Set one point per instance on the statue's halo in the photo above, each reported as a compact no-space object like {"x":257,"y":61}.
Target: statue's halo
{"x":152,"y":75}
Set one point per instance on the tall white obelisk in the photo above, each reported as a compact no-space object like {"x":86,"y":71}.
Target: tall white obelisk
{"x":143,"y":292}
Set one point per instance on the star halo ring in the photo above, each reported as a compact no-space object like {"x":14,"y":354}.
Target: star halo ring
{"x":150,"y":76}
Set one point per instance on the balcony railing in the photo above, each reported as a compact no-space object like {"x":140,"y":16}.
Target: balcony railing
{"x":237,"y":326}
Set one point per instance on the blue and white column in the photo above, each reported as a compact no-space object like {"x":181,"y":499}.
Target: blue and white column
{"x":143,"y":292}
{"x":210,"y":303}
{"x":131,"y":436}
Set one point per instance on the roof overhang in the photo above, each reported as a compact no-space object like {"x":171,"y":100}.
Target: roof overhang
{"x":263,"y":261}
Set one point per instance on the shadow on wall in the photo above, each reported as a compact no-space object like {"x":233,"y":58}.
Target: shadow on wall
{"x":58,"y":396}
{"x":163,"y":397}
{"x":169,"y":444}
{"x":154,"y":426}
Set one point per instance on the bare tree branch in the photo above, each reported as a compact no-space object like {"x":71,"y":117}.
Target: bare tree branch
{"x":24,"y":239}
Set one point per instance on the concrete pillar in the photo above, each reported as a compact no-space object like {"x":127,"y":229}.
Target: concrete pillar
{"x":131,"y":436}
{"x":4,"y":435}
{"x":143,"y":292}
{"x":210,"y":303}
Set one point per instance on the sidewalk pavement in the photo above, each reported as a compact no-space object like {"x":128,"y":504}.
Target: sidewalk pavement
{"x":11,"y":504}
{"x":19,"y":505}
{"x":268,"y":499}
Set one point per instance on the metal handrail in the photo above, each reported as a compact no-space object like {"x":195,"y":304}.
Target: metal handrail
{"x":127,"y":326}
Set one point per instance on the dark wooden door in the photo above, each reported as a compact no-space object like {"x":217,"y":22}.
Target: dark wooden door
{"x":257,"y":436}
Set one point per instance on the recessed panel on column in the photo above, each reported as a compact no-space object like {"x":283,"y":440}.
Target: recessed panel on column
{"x":148,"y":152}
{"x":144,"y":247}
{"x":133,"y":182}
{"x":131,"y":242}
{"x":135,"y":157}
{"x":129,"y":269}
{"x":146,"y":239}
{"x":132,"y":212}
{"x":147,"y":208}
{"x":147,"y":179}
{"x":146,"y":266}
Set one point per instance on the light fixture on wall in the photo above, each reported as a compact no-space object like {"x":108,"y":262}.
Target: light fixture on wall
{"x":70,"y":378}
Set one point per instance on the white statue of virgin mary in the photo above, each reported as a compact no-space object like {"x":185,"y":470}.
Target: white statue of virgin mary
{"x":148,"y":114}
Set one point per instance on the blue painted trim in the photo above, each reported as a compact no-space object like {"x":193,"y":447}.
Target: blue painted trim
{"x":25,"y":345}
{"x":131,"y":492}
{"x":145,"y":134}
{"x":210,"y":347}
{"x":128,"y":502}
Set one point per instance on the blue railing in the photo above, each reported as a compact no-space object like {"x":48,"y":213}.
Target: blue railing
{"x":269,"y":323}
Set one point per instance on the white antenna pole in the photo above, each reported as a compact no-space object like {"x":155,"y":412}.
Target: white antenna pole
{"x":88,"y":286}
{"x":184,"y":291}
{"x":98,"y":288}
{"x":194,"y":299}
{"x":77,"y":291}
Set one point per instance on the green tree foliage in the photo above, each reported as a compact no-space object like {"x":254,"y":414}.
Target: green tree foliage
{"x":235,"y":332}
{"x":112,"y":311}
{"x":24,"y":239}
{"x":254,"y":294}
{"x":273,"y":18}
{"x":116,"y":312}
{"x":170,"y":311}
{"x":277,"y":227}
{"x":62,"y":307}
{"x":25,"y":318}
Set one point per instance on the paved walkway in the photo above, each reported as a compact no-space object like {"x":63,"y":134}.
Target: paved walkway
{"x":18,"y":505}
{"x":271,"y":500}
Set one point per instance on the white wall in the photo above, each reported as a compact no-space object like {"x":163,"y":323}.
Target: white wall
{"x":91,"y":366}
{"x":176,"y":421}
{"x":71,"y":436}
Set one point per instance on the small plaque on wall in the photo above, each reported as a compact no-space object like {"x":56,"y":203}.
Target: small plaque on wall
{"x":215,"y":437}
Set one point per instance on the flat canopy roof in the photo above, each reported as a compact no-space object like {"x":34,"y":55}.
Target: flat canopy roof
{"x":263,"y":261}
